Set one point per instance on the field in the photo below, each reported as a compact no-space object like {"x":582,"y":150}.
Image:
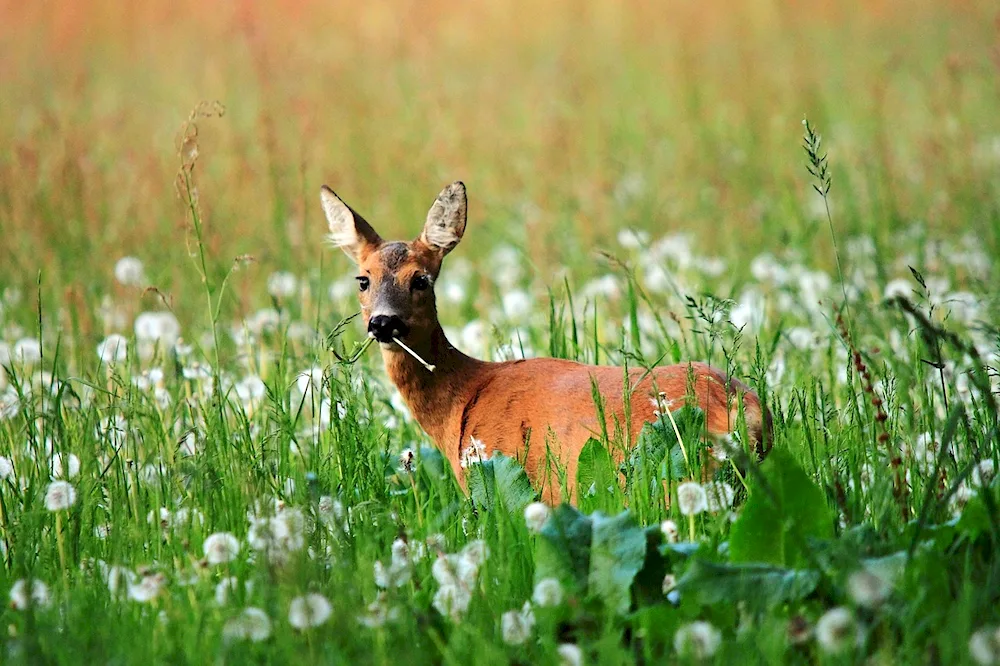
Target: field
{"x":190,"y":472}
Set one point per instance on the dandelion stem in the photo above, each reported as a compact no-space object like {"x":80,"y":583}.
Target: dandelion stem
{"x":430,"y":368}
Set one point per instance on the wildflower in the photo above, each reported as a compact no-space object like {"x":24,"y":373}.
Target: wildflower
{"x":535,"y":516}
{"x":148,"y":587}
{"x":398,"y":572}
{"x":547,"y":593}
{"x":119,"y":579}
{"x":157,"y":327}
{"x":311,"y":610}
{"x":221,"y":547}
{"x":379,"y":613}
{"x":898,"y":287}
{"x":983,"y":473}
{"x":720,"y":496}
{"x":250,"y":390}
{"x":278,"y":535}
{"x":633,"y":239}
{"x":59,"y":496}
{"x":456,"y":575}
{"x":669,"y":583}
{"x":475,"y":453}
{"x":253,"y":624}
{"x":10,"y":403}
{"x":129,"y":272}
{"x":984,"y":646}
{"x":516,"y":626}
{"x":113,"y":349}
{"x":691,"y":498}
{"x":698,"y":639}
{"x":27,"y":351}
{"x":569,"y":655}
{"x":517,"y":305}
{"x":281,"y":285}
{"x":72,"y":467}
{"x":406,"y":461}
{"x":21,"y":597}
{"x":837,"y":630}
{"x":670,"y":531}
{"x":6,"y":468}
{"x":227,"y":586}
{"x":867,"y":589}
{"x":309,"y":382}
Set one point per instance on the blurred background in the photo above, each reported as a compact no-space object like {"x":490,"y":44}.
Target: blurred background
{"x":568,"y":122}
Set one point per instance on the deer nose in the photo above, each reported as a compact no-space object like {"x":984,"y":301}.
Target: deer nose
{"x":387,"y":327}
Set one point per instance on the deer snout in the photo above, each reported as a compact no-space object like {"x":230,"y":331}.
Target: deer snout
{"x":387,"y":327}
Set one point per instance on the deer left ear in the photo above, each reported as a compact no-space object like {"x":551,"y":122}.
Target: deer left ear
{"x":446,"y":219}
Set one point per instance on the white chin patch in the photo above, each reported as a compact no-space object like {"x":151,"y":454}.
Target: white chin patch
{"x":388,"y":345}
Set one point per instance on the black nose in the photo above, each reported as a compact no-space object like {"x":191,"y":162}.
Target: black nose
{"x":387,"y":327}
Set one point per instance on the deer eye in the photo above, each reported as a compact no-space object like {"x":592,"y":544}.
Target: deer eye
{"x":363,"y":283}
{"x":421,"y":282}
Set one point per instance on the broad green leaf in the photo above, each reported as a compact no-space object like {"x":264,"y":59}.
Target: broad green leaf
{"x":593,"y":555}
{"x":710,"y":583}
{"x":617,"y":552}
{"x":597,"y":482}
{"x":775,"y":527}
{"x":500,"y":481}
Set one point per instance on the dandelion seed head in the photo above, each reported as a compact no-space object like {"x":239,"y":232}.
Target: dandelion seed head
{"x":113,"y":349}
{"x":699,"y":640}
{"x":309,"y":611}
{"x":251,"y":624}
{"x":6,"y":468}
{"x":130,"y":272}
{"x":536,"y":515}
{"x":867,"y":589}
{"x":516,"y":625}
{"x":282,"y":285}
{"x":548,"y":593}
{"x":691,"y":498}
{"x":837,"y":630}
{"x":59,"y":496}
{"x":221,"y":547}
{"x":569,"y":655}
{"x":984,"y":646}
{"x":25,"y":593}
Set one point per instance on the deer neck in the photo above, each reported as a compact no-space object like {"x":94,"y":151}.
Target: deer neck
{"x":433,"y":396}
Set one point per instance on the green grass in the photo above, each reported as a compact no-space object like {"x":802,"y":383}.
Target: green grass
{"x":680,"y":123}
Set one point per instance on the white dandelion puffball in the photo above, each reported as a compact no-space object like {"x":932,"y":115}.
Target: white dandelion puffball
{"x":670,"y":531}
{"x":984,"y":646}
{"x":570,"y":655}
{"x":27,"y":351}
{"x":700,"y":640}
{"x":147,"y":589}
{"x":535,"y":516}
{"x":252,"y":624}
{"x":221,"y":547}
{"x":837,"y":630}
{"x":21,"y":597}
{"x":720,"y":496}
{"x":6,"y":469}
{"x":130,"y":272}
{"x":59,"y":496}
{"x":547,"y":593}
{"x":516,"y":626}
{"x":691,"y":498}
{"x":311,"y":610}
{"x":281,"y":285}
{"x":867,"y":589}
{"x":157,"y":327}
{"x":113,"y":349}
{"x":67,"y":470}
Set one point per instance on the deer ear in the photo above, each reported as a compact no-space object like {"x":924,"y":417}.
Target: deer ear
{"x":446,"y":219}
{"x":348,"y":230}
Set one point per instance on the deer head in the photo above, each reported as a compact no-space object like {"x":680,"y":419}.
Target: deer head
{"x":396,"y":278}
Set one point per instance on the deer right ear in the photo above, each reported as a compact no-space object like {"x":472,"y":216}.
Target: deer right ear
{"x":445,"y":223}
{"x":348,"y":230}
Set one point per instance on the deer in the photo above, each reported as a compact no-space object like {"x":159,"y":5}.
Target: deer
{"x":469,"y":406}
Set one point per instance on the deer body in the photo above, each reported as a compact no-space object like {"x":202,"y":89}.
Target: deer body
{"x":540,"y":411}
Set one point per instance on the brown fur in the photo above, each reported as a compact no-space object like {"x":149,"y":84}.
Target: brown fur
{"x":547,"y":402}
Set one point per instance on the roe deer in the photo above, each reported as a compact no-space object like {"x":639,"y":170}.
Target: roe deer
{"x":548,"y":402}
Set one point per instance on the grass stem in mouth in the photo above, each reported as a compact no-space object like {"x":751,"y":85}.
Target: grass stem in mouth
{"x":430,"y":368}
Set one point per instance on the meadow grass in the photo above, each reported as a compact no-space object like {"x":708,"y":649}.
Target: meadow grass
{"x":182,"y":439}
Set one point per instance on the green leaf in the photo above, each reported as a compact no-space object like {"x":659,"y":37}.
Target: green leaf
{"x":710,"y":583}
{"x":500,"y":481}
{"x":617,"y":552}
{"x":593,"y":555}
{"x":597,"y":485}
{"x":775,"y":526}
